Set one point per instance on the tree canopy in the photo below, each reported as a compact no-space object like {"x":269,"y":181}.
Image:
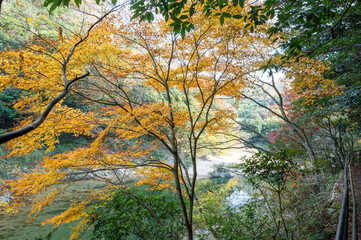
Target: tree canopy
{"x":180,"y":80}
{"x":148,"y":87}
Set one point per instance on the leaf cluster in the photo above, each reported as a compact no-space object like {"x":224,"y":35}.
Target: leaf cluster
{"x":243,"y":223}
{"x":274,"y":169}
{"x":123,"y":217}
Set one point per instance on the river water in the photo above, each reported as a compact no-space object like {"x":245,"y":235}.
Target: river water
{"x":14,"y":227}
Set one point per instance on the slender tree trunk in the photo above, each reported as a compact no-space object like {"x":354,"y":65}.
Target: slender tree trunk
{"x":183,"y":205}
{"x":310,"y":152}
{"x":281,"y":213}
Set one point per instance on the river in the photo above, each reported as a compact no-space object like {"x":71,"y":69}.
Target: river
{"x":14,"y":227}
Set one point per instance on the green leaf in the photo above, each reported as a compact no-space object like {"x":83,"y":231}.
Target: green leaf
{"x":264,"y":17}
{"x":135,"y":15}
{"x":173,"y":24}
{"x":237,"y":16}
{"x":191,"y":10}
{"x":221,"y":20}
{"x":275,"y":40}
{"x":227,"y":15}
{"x":52,"y":8}
{"x":55,"y":4}
{"x":208,"y":13}
{"x":77,"y":2}
{"x":66,"y":3}
{"x":183,"y":33}
{"x":47,"y":2}
{"x":114,"y":2}
{"x":175,"y":19}
{"x":190,"y":27}
{"x":176,"y":29}
{"x":149,"y":16}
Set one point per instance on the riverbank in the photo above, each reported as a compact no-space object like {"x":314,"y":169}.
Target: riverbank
{"x":206,"y":165}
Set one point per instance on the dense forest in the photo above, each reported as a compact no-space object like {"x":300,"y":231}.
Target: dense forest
{"x":112,"y":109}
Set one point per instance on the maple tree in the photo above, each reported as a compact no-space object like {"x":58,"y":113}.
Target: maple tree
{"x":13,"y":66}
{"x":302,"y":84}
{"x":148,"y":89}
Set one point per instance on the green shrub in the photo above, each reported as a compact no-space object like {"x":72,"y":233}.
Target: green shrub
{"x":124,"y":217}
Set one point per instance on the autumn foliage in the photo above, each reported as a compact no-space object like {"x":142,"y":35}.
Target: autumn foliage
{"x":147,"y":89}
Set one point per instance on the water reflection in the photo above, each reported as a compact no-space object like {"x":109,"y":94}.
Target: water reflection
{"x":238,"y":198}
